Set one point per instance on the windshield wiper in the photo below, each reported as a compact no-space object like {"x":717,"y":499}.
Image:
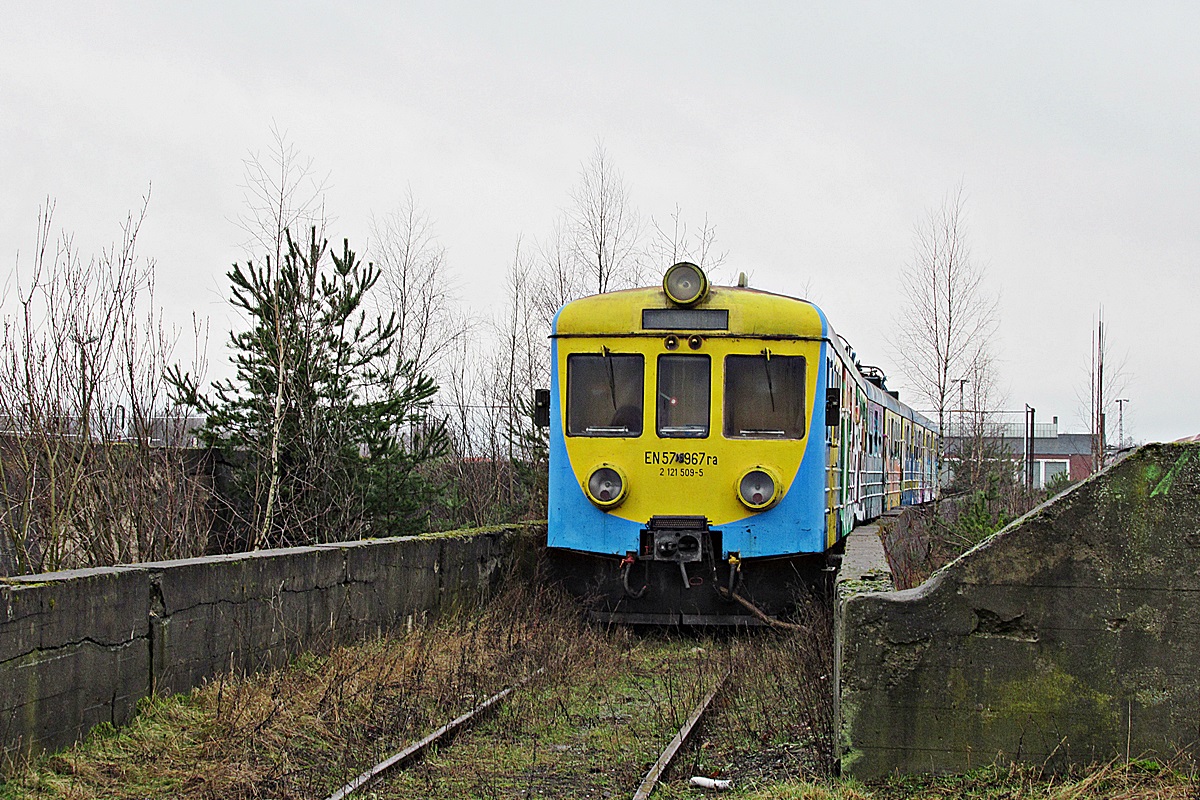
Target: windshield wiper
{"x":770,"y":386}
{"x":612,"y":381}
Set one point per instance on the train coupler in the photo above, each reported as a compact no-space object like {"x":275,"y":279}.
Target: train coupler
{"x":680,"y":539}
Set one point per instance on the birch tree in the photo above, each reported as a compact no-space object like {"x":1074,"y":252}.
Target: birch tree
{"x":607,"y":228}
{"x":946,"y":325}
{"x":416,"y":286}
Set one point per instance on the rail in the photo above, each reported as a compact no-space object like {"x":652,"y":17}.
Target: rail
{"x":417,"y":750}
{"x":678,"y":742}
{"x":446,"y":733}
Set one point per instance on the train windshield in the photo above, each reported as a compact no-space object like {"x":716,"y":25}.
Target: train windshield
{"x":764,"y":397}
{"x":683,"y":396}
{"x":604,"y":394}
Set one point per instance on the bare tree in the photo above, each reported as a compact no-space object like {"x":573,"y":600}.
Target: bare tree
{"x":86,"y":474}
{"x":281,"y":192}
{"x":415,"y":285}
{"x":946,"y":326}
{"x":498,"y":467}
{"x":978,"y":444}
{"x":607,"y":229}
{"x":676,"y":242}
{"x":557,"y":279}
{"x":597,"y":245}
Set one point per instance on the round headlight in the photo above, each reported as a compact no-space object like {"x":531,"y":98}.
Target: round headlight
{"x":685,"y":284}
{"x":758,"y":489}
{"x":606,"y":486}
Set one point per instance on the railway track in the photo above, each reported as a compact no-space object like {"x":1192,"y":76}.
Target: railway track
{"x":417,"y":750}
{"x":609,"y":728}
{"x":597,"y":712}
{"x":678,"y":742}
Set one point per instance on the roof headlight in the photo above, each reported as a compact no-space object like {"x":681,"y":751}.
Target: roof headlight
{"x":685,"y":284}
{"x":759,"y":488}
{"x":606,"y":486}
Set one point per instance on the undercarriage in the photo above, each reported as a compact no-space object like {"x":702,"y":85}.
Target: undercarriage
{"x":680,"y":575}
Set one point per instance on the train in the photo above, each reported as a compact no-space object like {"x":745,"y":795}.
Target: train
{"x":711,"y":447}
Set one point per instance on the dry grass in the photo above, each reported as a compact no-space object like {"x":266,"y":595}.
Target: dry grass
{"x":304,"y":730}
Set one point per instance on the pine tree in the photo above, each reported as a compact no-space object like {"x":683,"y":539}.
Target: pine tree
{"x":329,"y":427}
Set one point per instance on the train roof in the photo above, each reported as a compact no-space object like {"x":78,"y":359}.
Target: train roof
{"x":726,"y":311}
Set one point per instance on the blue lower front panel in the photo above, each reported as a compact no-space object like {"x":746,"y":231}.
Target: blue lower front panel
{"x":795,"y":525}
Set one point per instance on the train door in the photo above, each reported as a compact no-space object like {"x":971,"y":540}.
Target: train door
{"x":876,"y":480}
{"x":931,"y":459}
{"x":908,"y":466}
{"x":924,"y":464}
{"x":936,"y":446}
{"x":894,"y":463}
{"x":879,"y":475}
{"x":887,"y":461}
{"x":897,"y":488}
{"x":846,"y":460}
{"x":859,"y":453}
{"x":833,"y":487}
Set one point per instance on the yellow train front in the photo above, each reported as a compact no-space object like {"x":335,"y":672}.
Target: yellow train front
{"x":708,"y":445}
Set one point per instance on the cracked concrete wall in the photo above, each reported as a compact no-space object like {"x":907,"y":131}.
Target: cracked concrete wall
{"x":82,"y":647}
{"x":1072,"y":636}
{"x":74,"y":652}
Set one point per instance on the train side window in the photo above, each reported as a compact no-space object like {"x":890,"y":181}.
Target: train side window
{"x":604,"y":394}
{"x":764,"y":397}
{"x":683,"y":396}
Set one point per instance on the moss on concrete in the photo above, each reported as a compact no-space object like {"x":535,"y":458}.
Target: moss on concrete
{"x":521,"y":528}
{"x":1049,"y":692}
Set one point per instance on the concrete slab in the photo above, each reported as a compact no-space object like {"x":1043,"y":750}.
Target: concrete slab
{"x":864,"y":564}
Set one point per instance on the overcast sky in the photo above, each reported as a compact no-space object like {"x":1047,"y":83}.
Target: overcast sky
{"x":814,"y":136}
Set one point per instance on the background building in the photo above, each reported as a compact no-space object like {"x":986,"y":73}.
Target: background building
{"x":999,"y":437}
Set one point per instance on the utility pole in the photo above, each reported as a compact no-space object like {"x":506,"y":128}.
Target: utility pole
{"x":1121,"y":401}
{"x":1029,"y":421}
{"x":1098,"y":398}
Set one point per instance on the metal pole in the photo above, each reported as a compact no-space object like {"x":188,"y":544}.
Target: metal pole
{"x":1121,"y":401}
{"x":1100,"y":393}
{"x":1029,"y":430}
{"x":961,"y":405}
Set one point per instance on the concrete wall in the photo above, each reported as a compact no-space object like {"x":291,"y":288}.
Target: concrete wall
{"x":82,"y":647}
{"x":1072,"y":636}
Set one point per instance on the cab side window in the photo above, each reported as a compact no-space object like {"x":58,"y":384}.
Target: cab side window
{"x":604,"y":394}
